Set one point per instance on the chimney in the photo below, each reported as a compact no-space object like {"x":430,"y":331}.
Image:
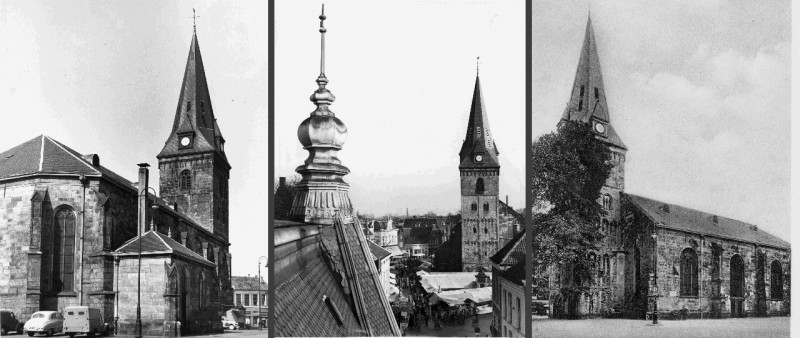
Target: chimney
{"x":144,"y":175}
{"x":281,"y":182}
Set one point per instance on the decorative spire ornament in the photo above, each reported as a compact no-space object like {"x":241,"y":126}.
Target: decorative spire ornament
{"x":322,"y":195}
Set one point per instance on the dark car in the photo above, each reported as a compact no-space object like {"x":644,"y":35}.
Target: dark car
{"x":9,"y":322}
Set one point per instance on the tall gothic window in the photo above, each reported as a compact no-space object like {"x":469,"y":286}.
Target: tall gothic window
{"x":479,"y":189}
{"x":486,"y":207}
{"x":737,"y":276}
{"x":64,"y":250}
{"x":580,"y":102}
{"x":776,"y":282}
{"x":186,"y":180}
{"x":689,"y":273}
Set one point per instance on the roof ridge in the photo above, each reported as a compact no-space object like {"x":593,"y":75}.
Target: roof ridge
{"x":158,"y":235}
{"x":41,"y":153}
{"x":64,"y":148}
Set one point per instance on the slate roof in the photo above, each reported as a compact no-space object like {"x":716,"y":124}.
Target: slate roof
{"x":511,"y":253}
{"x":377,"y":251}
{"x":588,"y":97}
{"x":690,"y":220}
{"x":478,"y":140}
{"x":247,"y":283}
{"x":420,"y":222}
{"x":515,"y":274}
{"x":194,"y":113}
{"x":511,"y":211}
{"x":156,"y":243}
{"x":318,"y":292}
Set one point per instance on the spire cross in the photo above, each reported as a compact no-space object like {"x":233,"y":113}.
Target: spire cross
{"x":194,"y":20}
{"x":322,"y":31}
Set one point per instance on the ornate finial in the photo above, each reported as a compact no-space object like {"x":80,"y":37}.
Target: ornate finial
{"x":322,"y":97}
{"x":478,"y":66}
{"x":194,"y":20}
{"x":322,"y":31}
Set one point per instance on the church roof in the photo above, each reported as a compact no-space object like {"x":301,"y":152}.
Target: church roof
{"x":478,"y":140}
{"x":587,"y":101}
{"x":194,"y":113}
{"x":511,"y":253}
{"x":676,"y":217}
{"x":156,"y":243}
{"x":44,"y":155}
{"x":324,"y":287}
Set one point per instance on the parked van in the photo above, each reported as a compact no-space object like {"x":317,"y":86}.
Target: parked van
{"x":83,"y":319}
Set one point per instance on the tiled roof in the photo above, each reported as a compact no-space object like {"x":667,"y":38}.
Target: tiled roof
{"x":420,"y":222}
{"x":377,"y":251}
{"x":681,"y":218}
{"x":154,"y":242}
{"x":511,"y":253}
{"x":246,"y":283}
{"x":319,"y":273}
{"x":511,"y":211}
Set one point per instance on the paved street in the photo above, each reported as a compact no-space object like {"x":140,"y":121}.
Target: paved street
{"x":737,"y":327}
{"x":227,"y":334}
{"x":465,"y":330}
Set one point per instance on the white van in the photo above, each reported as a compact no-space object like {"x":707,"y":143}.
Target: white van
{"x":83,"y":319}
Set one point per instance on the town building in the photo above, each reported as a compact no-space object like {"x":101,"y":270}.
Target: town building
{"x":511,"y":285}
{"x":688,"y":262}
{"x":325,"y":281}
{"x":381,"y":257}
{"x":250,"y":297}
{"x":73,"y":229}
{"x":510,"y":256}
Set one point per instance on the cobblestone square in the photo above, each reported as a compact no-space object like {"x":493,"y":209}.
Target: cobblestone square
{"x":738,"y":327}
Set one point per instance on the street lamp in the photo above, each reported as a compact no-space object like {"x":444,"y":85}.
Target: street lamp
{"x":259,"y":287}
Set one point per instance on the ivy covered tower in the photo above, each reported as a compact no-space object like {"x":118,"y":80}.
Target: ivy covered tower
{"x":587,"y":103}
{"x":480,"y":179}
{"x":193,"y":168}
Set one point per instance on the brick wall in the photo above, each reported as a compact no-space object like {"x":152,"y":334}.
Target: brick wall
{"x":480,"y":229}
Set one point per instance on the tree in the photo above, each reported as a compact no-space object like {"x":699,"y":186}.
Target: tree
{"x":570,"y":167}
{"x":284,"y":196}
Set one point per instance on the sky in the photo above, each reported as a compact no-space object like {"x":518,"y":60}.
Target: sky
{"x":699,"y":91}
{"x":104,"y":78}
{"x":403,"y":74}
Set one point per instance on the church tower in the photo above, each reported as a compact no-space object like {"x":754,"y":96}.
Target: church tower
{"x":587,"y":104}
{"x":480,"y":181}
{"x":193,"y":168}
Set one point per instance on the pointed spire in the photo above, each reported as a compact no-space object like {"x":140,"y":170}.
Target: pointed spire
{"x":194,"y":114}
{"x":587,"y":102}
{"x":478,"y":149}
{"x":322,"y":195}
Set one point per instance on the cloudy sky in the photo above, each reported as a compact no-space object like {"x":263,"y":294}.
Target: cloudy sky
{"x":403,"y":73}
{"x":104,"y":77}
{"x":698,"y":90}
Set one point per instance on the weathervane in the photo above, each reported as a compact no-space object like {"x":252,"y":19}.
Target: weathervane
{"x":322,"y":30}
{"x":478,"y":66}
{"x":194,"y":20}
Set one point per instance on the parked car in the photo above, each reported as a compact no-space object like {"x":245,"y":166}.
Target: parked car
{"x":9,"y":322}
{"x":83,"y":319}
{"x":230,"y":325}
{"x":46,"y":322}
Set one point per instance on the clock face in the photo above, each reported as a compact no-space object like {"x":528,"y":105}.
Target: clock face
{"x":185,"y":141}
{"x":478,"y":158}
{"x":600,"y":128}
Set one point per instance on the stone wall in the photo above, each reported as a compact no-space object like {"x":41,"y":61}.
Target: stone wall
{"x":207,"y":201}
{"x":479,"y":228}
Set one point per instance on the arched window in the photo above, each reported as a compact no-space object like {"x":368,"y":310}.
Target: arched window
{"x":485,"y":230}
{"x":737,"y":276}
{"x":474,"y":230}
{"x":474,"y":206}
{"x":689,"y":272}
{"x":486,"y":207}
{"x":186,"y":180}
{"x":776,"y":282}
{"x":479,"y":189}
{"x":607,"y":201}
{"x":64,"y":250}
